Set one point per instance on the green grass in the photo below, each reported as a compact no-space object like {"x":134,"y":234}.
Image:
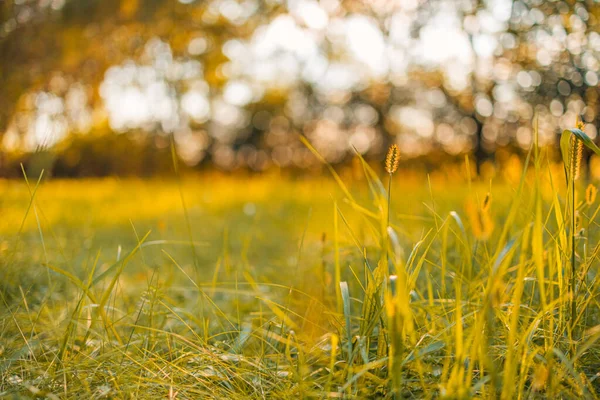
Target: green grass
{"x":270,"y":287}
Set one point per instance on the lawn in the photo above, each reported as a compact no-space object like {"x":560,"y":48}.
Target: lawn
{"x":270,"y":286}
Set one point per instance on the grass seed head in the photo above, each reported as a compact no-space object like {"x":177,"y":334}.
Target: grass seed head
{"x":575,"y":156}
{"x":590,"y":194}
{"x":480,"y":218}
{"x":486,"y":202}
{"x":539,"y":378}
{"x":392,"y":159}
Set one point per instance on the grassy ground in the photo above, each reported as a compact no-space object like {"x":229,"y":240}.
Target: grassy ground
{"x":271,"y":287}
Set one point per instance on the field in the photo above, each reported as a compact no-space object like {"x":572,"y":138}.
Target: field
{"x":278,"y":287}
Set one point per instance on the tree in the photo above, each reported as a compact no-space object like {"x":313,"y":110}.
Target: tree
{"x":457,"y":76}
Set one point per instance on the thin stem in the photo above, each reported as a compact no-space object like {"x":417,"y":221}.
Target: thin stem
{"x":389,"y":199}
{"x":387,"y":240}
{"x":573,"y":261}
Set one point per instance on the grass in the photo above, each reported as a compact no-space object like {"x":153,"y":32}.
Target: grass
{"x":297,"y":288}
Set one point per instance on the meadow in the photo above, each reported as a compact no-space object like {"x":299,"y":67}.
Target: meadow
{"x":329,"y":286}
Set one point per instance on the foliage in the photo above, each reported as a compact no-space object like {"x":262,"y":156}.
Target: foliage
{"x":429,"y":76}
{"x":272,"y":288}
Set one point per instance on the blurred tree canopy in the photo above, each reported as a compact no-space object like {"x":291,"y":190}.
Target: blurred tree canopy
{"x":235,"y":81}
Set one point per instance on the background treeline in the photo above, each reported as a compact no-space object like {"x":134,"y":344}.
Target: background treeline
{"x":136,"y":154}
{"x":236,"y":81}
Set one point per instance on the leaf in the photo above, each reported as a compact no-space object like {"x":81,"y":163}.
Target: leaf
{"x":585,"y":139}
{"x":565,"y":143}
{"x":416,"y":354}
{"x":335,"y":175}
{"x":347,"y":314}
{"x":375,"y":185}
{"x":459,"y":222}
{"x":568,"y":365}
{"x":75,"y":280}
{"x":395,"y":242}
{"x":116,"y":265}
{"x":504,"y":253}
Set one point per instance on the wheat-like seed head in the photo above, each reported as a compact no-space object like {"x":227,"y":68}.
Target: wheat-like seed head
{"x":590,"y":194}
{"x":580,"y":125}
{"x":392,"y":159}
{"x":575,"y":156}
{"x":482,"y":222}
{"x":487,"y":201}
